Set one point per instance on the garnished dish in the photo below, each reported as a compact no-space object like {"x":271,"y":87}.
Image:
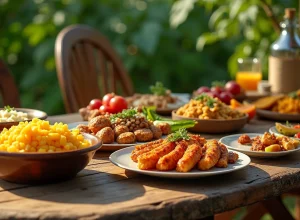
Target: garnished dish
{"x":212,"y":115}
{"x":161,"y":98}
{"x":180,"y":155}
{"x":261,"y":145}
{"x":280,"y":107}
{"x":37,"y":152}
{"x":287,"y":129}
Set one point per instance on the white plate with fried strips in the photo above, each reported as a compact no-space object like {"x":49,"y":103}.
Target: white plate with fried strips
{"x":122,"y":159}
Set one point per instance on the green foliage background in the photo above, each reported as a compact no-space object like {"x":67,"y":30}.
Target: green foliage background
{"x":151,"y":49}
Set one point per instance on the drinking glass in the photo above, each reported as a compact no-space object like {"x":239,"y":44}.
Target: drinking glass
{"x":249,"y":73}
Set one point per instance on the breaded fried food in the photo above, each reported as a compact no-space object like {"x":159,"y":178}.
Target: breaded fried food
{"x":232,"y":157}
{"x":165,"y":128}
{"x":190,"y":158}
{"x":211,"y":155}
{"x":169,"y":161}
{"x":83,"y":128}
{"x":143,"y":135}
{"x":149,"y":160}
{"x":120,"y":129}
{"x":244,"y":139}
{"x":157,"y":133}
{"x":106,"y":135}
{"x":148,"y":147}
{"x":126,"y":138}
{"x":99,"y":122}
{"x":142,"y":146}
{"x":196,"y":139}
{"x":223,"y":161}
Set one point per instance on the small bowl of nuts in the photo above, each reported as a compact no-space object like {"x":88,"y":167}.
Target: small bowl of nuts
{"x":12,"y":116}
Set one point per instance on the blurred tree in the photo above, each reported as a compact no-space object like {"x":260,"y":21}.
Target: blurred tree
{"x":253,"y":24}
{"x":139,"y":30}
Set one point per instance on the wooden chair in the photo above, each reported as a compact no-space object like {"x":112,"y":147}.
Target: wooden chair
{"x":88,"y":67}
{"x":8,"y":89}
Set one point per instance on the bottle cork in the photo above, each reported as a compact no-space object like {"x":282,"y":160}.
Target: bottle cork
{"x":289,"y":13}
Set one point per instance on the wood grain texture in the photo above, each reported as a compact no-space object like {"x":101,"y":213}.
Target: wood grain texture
{"x":105,"y":191}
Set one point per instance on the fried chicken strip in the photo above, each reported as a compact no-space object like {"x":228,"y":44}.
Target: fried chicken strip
{"x":190,"y":158}
{"x":211,"y":156}
{"x":232,"y":157}
{"x":223,"y":161}
{"x":148,"y":160}
{"x":169,"y":161}
{"x":144,"y":148}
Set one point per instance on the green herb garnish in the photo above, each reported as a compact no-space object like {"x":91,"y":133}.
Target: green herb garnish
{"x":158,"y":89}
{"x":293,"y":95}
{"x":288,"y":124}
{"x":127,"y":113}
{"x":218,"y":83}
{"x":8,"y":108}
{"x":210,"y":101}
{"x":180,"y":134}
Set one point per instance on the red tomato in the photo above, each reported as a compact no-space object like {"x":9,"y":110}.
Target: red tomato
{"x":233,"y":87}
{"x":203,"y":89}
{"x":118,"y":103}
{"x":106,"y":99}
{"x":226,"y":97}
{"x":213,"y":94}
{"x":105,"y":109}
{"x":297,"y":135}
{"x":95,"y":104}
{"x":217,"y":89}
{"x":297,"y":126}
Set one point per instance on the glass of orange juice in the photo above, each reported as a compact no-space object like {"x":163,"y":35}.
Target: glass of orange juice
{"x":249,"y":73}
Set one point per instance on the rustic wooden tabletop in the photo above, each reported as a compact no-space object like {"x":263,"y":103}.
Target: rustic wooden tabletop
{"x":105,"y":191}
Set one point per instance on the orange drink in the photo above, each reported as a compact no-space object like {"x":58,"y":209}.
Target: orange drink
{"x":248,"y":80}
{"x":249,"y":73}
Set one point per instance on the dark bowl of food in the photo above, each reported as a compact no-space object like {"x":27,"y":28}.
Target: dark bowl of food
{"x":38,"y":168}
{"x":12,"y":116}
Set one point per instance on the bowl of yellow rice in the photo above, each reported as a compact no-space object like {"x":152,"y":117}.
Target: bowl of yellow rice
{"x":37,"y":152}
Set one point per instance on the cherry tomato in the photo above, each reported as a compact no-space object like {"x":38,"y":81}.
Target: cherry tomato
{"x":217,"y":89}
{"x":106,"y":99}
{"x":95,"y":104}
{"x":233,"y":87}
{"x":105,"y":109}
{"x":297,"y":135}
{"x":297,"y":126}
{"x":118,"y":103}
{"x":226,"y":97}
{"x":203,"y":89}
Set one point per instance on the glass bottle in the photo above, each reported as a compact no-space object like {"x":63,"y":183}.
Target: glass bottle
{"x":284,"y":59}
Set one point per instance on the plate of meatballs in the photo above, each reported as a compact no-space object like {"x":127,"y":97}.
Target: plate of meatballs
{"x":261,"y":145}
{"x":121,"y":132}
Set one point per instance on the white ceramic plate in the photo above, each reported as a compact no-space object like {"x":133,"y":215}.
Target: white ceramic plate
{"x":122,"y":159}
{"x":273,"y":130}
{"x":232,"y":143}
{"x":277,"y":116}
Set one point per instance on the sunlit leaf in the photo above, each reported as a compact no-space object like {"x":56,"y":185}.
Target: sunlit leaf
{"x":217,"y":15}
{"x":206,"y":38}
{"x":180,"y":11}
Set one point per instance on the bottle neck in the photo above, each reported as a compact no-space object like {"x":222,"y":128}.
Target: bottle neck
{"x":289,"y":29}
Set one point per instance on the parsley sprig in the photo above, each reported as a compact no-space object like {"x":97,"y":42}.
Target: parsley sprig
{"x":8,"y":108}
{"x":209,"y":100}
{"x":180,"y":134}
{"x":218,"y":83}
{"x":158,"y":89}
{"x":127,"y":113}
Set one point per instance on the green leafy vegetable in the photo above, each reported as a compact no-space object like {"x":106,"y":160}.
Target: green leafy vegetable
{"x":158,"y":89}
{"x":293,"y":95}
{"x":127,"y":113}
{"x":210,"y":101}
{"x":8,"y":108}
{"x":288,"y":124}
{"x":218,"y":83}
{"x":177,"y":124}
{"x":180,"y":134}
{"x":150,"y":114}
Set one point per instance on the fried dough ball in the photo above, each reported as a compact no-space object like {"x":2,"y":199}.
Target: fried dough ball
{"x":165,"y":128}
{"x":83,"y":128}
{"x":144,"y":134}
{"x":106,"y":135}
{"x":126,"y":138}
{"x":99,"y":122}
{"x":244,"y":139}
{"x":120,"y":129}
{"x":156,"y":132}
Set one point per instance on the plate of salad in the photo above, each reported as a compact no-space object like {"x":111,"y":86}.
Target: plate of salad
{"x":287,"y":129}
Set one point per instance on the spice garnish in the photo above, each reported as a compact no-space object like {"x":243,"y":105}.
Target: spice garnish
{"x":127,"y":113}
{"x":158,"y":89}
{"x":8,"y":108}
{"x":180,"y":134}
{"x":210,"y":101}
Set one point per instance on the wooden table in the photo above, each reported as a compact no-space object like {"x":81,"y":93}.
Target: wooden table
{"x":105,"y":191}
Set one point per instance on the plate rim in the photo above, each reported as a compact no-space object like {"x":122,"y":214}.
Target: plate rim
{"x":258,"y":153}
{"x":275,"y":115}
{"x":173,"y":174}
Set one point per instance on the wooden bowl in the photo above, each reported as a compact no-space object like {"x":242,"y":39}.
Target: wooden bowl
{"x":37,"y":168}
{"x":214,"y":126}
{"x":32,"y":113}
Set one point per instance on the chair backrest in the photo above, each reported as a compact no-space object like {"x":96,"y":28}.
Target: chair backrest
{"x":88,"y":67}
{"x":8,"y":89}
